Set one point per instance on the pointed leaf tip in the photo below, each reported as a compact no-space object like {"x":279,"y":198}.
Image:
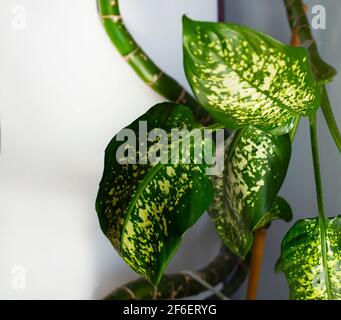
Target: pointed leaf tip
{"x":255,"y":167}
{"x":243,"y":77}
{"x":144,"y":209}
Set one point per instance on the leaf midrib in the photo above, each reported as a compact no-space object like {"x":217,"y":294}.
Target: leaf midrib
{"x":141,"y":187}
{"x":278,"y":102}
{"x":323,"y":235}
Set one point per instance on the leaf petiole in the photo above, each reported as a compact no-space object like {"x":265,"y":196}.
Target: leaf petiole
{"x":319,"y":194}
{"x":330,"y":119}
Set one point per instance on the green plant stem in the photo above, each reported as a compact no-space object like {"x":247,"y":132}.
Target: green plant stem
{"x":329,"y":116}
{"x":143,"y":65}
{"x":181,"y":285}
{"x":323,"y":72}
{"x":173,"y":286}
{"x":299,"y":23}
{"x":319,"y":195}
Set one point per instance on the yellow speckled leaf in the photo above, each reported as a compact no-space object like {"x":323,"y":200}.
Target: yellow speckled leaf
{"x":145,"y":208}
{"x":311,"y":259}
{"x":244,"y":77}
{"x":246,"y":193}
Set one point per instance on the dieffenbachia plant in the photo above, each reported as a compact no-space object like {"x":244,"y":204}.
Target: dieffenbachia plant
{"x":246,"y":192}
{"x":142,"y":64}
{"x":311,"y":258}
{"x":145,"y":208}
{"x":311,"y":250}
{"x":323,"y":72}
{"x":181,"y":285}
{"x":250,"y":83}
{"x":246,"y":78}
{"x":311,"y":253}
{"x":158,"y":80}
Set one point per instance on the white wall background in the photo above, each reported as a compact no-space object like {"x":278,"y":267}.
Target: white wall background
{"x":64,"y":92}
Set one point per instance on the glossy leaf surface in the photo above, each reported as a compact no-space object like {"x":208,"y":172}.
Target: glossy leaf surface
{"x":244,"y":77}
{"x":256,"y":165}
{"x":311,"y":259}
{"x":145,"y":208}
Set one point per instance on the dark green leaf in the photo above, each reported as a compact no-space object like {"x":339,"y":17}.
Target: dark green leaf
{"x":244,"y":77}
{"x":280,"y":210}
{"x":144,"y":209}
{"x":311,"y":259}
{"x":323,"y":71}
{"x":256,"y":165}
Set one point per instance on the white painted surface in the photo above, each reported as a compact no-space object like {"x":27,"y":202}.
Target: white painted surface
{"x":64,"y":92}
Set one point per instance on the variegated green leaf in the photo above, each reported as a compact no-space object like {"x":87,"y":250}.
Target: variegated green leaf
{"x":244,"y":77}
{"x":311,"y":259}
{"x":280,"y":210}
{"x":256,"y":165}
{"x":145,"y":208}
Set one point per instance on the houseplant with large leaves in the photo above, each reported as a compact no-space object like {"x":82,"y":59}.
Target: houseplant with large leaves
{"x":247,"y":82}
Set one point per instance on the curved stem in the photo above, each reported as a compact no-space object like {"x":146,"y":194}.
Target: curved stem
{"x":143,"y":65}
{"x":179,"y":285}
{"x":299,"y":24}
{"x":238,"y":277}
{"x":206,"y":285}
{"x":323,"y":72}
{"x":319,"y":194}
{"x":174,"y":286}
{"x":330,"y":119}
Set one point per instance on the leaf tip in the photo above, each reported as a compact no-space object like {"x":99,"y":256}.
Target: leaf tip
{"x":186,"y":20}
{"x":278,"y":266}
{"x":187,"y":23}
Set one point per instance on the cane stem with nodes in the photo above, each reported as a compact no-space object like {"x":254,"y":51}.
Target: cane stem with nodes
{"x":145,"y":68}
{"x":181,"y":285}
